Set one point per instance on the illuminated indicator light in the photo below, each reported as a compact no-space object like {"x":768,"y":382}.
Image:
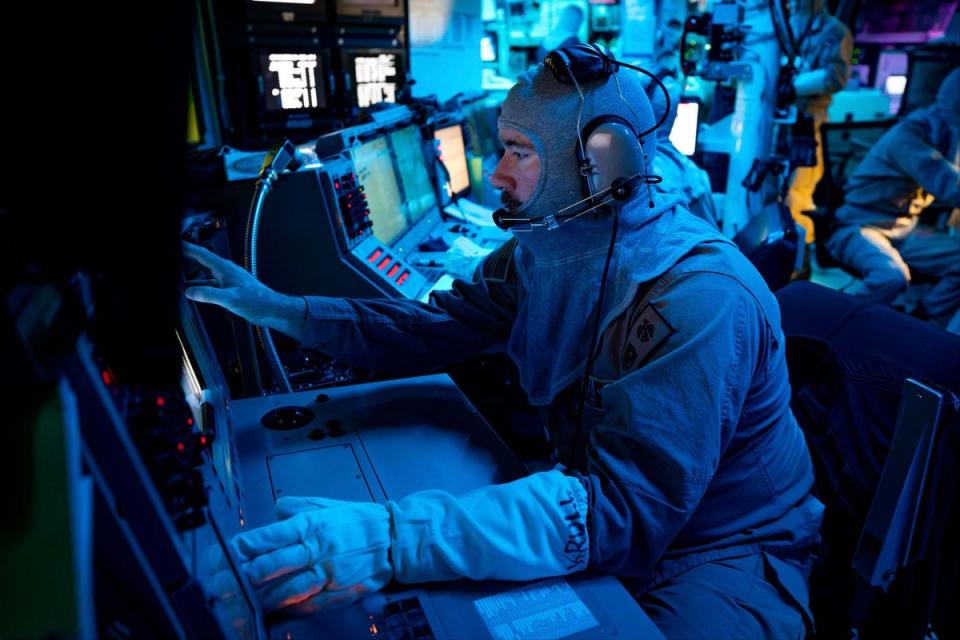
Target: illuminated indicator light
{"x":107,"y":378}
{"x":383,"y":263}
{"x":373,"y":256}
{"x":203,"y":439}
{"x":349,"y":205}
{"x":403,"y":277}
{"x":189,"y":422}
{"x":393,"y":271}
{"x":336,"y":184}
{"x":180,"y":446}
{"x":160,"y":401}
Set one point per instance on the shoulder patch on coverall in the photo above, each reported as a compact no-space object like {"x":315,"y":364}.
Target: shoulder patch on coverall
{"x":648,"y":329}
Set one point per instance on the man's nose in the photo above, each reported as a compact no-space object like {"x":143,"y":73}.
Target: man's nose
{"x":501,"y":178}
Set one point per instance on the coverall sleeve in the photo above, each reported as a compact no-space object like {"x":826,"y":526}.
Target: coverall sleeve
{"x":410,"y":337}
{"x":667,"y":423}
{"x":827,"y":63}
{"x":915,"y":156}
{"x":839,"y":42}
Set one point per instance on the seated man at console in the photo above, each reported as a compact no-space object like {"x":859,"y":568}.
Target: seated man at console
{"x":878,"y":234}
{"x":655,"y":352}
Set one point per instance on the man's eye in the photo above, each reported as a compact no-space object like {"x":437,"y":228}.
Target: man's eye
{"x":519,"y":156}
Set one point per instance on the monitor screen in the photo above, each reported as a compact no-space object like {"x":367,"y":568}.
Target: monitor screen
{"x":291,"y":81}
{"x":683,"y":135}
{"x":375,"y":172}
{"x":194,"y":120}
{"x":454,"y":157}
{"x":488,"y":47}
{"x":860,"y":72}
{"x":286,"y":11}
{"x":480,"y":129}
{"x":903,"y":21}
{"x":894,"y":85}
{"x":376,"y":76}
{"x":418,"y":194}
{"x":370,"y":8}
{"x":927,"y":69}
{"x":890,"y":63}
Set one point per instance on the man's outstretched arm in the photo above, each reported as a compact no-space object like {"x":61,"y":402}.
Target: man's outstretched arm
{"x":237,"y":291}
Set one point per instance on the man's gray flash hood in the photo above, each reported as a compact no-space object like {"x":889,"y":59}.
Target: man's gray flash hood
{"x":547,"y":112}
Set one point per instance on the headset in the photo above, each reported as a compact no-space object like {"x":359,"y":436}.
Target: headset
{"x":612,"y":163}
{"x":610,"y":152}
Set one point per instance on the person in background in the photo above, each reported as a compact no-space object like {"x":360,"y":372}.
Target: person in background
{"x":564,"y":32}
{"x":877,"y":231}
{"x":680,"y":174}
{"x":825,"y":48}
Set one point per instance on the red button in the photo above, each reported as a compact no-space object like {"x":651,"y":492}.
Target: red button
{"x":373,"y":256}
{"x":384,"y":263}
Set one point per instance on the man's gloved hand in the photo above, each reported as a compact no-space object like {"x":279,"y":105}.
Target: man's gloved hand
{"x":240,"y":293}
{"x":322,"y":553}
{"x":329,"y":552}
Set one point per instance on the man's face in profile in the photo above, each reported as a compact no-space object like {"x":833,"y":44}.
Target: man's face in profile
{"x":518,"y":171}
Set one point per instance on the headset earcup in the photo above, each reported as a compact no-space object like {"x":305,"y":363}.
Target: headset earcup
{"x":612,"y":150}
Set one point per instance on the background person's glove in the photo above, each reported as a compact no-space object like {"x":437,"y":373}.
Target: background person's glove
{"x":328,"y":552}
{"x":811,"y":83}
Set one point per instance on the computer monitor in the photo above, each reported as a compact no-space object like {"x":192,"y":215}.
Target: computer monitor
{"x":195,"y":129}
{"x":481,"y":133}
{"x":453,"y":154}
{"x":368,"y":9}
{"x":890,"y":62}
{"x":927,"y":69}
{"x":903,"y":21}
{"x":292,"y":81}
{"x":488,"y":47}
{"x":895,"y":85}
{"x":375,"y":75}
{"x":861,"y":74}
{"x":683,"y":135}
{"x":375,"y":172}
{"x":202,"y":125}
{"x":286,"y":11}
{"x":418,"y":194}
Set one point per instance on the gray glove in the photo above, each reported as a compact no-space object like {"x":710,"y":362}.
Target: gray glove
{"x":240,"y":293}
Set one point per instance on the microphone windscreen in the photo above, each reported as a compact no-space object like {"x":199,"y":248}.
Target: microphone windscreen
{"x":499,"y":218}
